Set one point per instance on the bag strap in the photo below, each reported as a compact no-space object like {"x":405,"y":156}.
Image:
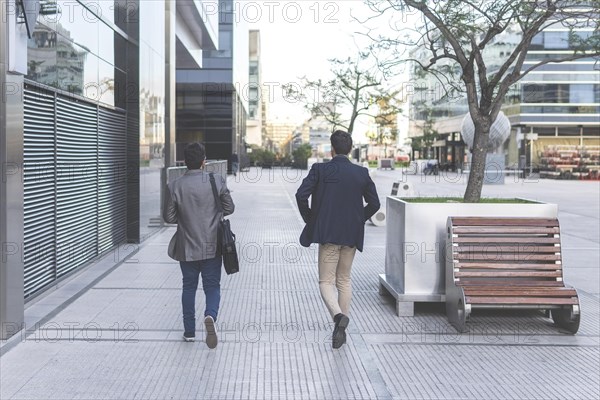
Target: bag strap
{"x":215,"y":195}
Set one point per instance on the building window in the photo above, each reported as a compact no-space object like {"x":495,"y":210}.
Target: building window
{"x":581,"y":94}
{"x":556,"y":40}
{"x":537,"y":43}
{"x":548,"y":93}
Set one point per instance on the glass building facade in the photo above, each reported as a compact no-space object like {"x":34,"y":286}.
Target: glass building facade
{"x":82,"y":49}
{"x":80,"y":137}
{"x":79,"y":50}
{"x":569,"y":91}
{"x":560,"y":102}
{"x":212,"y":101}
{"x":152,"y":103}
{"x":256,"y":100}
{"x":88,"y":124}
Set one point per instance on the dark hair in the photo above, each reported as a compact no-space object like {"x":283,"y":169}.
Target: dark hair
{"x":341,"y":142}
{"x":194,"y":155}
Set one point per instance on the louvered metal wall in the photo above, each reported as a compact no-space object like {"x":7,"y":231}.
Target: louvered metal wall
{"x":112,"y":179}
{"x":39,"y":174}
{"x":76,"y":184}
{"x":75,"y":157}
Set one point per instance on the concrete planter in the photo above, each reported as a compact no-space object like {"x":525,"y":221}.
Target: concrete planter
{"x":416,"y":240}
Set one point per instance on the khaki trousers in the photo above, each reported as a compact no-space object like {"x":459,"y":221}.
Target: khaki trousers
{"x":335,"y":264}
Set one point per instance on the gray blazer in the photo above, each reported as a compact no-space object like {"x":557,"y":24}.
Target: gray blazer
{"x":190,"y":204}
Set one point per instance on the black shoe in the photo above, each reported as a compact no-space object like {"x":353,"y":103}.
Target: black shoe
{"x":189,"y":336}
{"x":339,"y":332}
{"x":211,"y":332}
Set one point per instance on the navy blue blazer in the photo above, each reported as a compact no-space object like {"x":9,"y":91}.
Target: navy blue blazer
{"x":337,"y":213}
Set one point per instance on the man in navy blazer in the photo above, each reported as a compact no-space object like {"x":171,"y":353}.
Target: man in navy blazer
{"x":336,"y":220}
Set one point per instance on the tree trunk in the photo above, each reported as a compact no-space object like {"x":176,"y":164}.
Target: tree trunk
{"x":479,"y":153}
{"x":351,"y":125}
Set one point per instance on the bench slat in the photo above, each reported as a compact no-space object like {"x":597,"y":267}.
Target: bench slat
{"x":522,"y":292}
{"x":498,"y":282}
{"x":503,"y":274}
{"x":503,"y":229}
{"x":514,"y":239}
{"x":470,"y":221}
{"x":490,"y":248}
{"x":520,"y":300}
{"x":506,"y":257}
{"x":521,"y":287}
{"x":508,"y":266}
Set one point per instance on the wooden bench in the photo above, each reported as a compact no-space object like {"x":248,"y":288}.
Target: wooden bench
{"x":507,"y":263}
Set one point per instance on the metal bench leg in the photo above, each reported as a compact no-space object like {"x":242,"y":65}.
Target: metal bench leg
{"x":458,"y":313}
{"x":456,"y":310}
{"x":567,"y":318}
{"x":461,"y":316}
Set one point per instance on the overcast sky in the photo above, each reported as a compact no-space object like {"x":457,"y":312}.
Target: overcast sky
{"x":298,"y":38}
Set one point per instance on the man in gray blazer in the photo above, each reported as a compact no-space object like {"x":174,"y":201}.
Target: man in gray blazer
{"x":189,"y":203}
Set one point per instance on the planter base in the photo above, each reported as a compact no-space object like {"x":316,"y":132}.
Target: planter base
{"x":405,"y":303}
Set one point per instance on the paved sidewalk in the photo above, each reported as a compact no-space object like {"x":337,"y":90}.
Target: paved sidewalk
{"x":121,"y":339}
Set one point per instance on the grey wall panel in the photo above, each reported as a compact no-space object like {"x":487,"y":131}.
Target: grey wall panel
{"x":76,"y":184}
{"x":112,"y":179}
{"x":39,"y":175}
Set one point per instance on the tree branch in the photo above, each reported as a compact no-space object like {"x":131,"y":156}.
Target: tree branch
{"x":520,"y":52}
{"x":422,"y":6}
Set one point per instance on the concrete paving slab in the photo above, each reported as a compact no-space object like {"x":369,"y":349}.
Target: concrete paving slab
{"x":121,"y":338}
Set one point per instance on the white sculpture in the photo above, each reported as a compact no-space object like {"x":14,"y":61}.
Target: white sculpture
{"x":499,"y":132}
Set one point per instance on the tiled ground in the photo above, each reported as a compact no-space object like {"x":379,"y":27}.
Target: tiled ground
{"x":121,"y":338}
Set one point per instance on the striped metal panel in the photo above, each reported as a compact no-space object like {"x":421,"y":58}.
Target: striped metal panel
{"x":112,"y":179}
{"x":75,"y":180}
{"x":133,"y":173}
{"x":76,"y":183}
{"x":39,"y":174}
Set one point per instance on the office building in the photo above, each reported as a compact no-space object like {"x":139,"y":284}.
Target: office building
{"x":86,"y":127}
{"x":256,"y":99}
{"x":211,"y":106}
{"x":279,"y":133}
{"x":558,"y":102}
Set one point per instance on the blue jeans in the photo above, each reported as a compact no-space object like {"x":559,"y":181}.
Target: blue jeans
{"x":211,"y":283}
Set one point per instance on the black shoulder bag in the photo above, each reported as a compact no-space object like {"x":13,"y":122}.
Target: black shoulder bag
{"x":225,"y":237}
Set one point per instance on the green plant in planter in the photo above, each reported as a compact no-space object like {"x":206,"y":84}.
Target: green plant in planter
{"x":484,"y":200}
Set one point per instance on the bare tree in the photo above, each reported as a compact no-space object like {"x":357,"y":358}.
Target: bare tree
{"x":455,"y":34}
{"x":353,"y":88}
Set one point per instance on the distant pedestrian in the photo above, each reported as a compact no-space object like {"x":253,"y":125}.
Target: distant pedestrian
{"x":235,"y":163}
{"x":189,"y":203}
{"x":335,"y":220}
